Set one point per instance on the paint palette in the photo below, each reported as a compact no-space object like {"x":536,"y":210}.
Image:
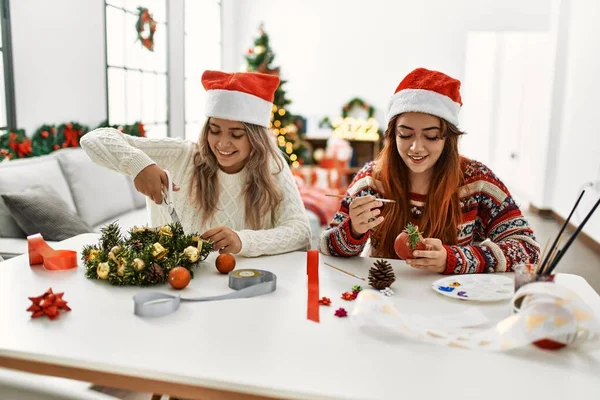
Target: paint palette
{"x":475,"y":287}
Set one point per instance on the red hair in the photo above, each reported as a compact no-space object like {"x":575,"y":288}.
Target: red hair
{"x":442,"y":213}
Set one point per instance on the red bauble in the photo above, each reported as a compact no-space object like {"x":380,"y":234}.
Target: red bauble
{"x":179,"y":277}
{"x":225,"y":263}
{"x":403,"y":247}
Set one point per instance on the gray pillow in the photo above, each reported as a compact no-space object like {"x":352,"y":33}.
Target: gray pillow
{"x":40,"y":209}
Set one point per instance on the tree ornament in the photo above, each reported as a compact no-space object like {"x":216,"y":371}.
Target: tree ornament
{"x":349,"y":296}
{"x":136,"y":245}
{"x":121,"y":269}
{"x":191,"y":253}
{"x":166,"y":231}
{"x":225,"y":263}
{"x":158,"y":251}
{"x":155,"y":274}
{"x":179,"y":278}
{"x":115,"y":250}
{"x":103,"y":270}
{"x":93,"y":255}
{"x":139,"y":264}
{"x":356,"y":288}
{"x":409,"y":240}
{"x":381,"y":275}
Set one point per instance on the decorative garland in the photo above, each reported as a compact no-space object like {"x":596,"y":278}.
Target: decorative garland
{"x":357,"y":102}
{"x":144,"y":18}
{"x":48,"y":138}
{"x":146,"y":257}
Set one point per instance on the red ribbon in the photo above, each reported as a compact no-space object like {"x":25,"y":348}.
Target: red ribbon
{"x":40,"y":252}
{"x":312,"y":270}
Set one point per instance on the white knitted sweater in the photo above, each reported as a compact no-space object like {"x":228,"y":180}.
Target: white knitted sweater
{"x":129,"y":155}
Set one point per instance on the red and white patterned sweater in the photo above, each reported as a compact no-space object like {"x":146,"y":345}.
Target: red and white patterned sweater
{"x":493,"y":236}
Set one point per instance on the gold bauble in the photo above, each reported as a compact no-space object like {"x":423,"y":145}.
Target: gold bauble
{"x":259,"y":49}
{"x":93,"y":255}
{"x":115,"y":250}
{"x":166,"y":231}
{"x":121,"y":268}
{"x":102,"y":270}
{"x":191,"y":253}
{"x":139,"y":264}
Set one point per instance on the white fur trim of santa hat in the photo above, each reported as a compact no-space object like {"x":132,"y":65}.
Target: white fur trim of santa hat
{"x":425,"y":101}
{"x":238,"y":106}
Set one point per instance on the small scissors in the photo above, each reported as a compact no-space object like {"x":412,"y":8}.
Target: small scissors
{"x":168,"y":199}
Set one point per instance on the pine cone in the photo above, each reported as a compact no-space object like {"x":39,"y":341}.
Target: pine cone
{"x":155,"y":274}
{"x":381,"y":275}
{"x":136,"y":244}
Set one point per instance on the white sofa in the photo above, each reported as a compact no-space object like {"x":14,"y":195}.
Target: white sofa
{"x":97,"y":195}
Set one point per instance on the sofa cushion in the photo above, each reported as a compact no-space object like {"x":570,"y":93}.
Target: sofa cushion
{"x":17,"y":175}
{"x":39,"y":209}
{"x":99,"y":193}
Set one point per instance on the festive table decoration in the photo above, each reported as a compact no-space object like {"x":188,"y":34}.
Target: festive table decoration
{"x":225,"y":263}
{"x":349,"y":296}
{"x":341,"y":312}
{"x":145,"y":19}
{"x":40,"y":252}
{"x":381,"y":275}
{"x":146,"y":257}
{"x":179,"y":278}
{"x":357,"y":288}
{"x":409,"y":240}
{"x":48,"y":304}
{"x":325,"y":301}
{"x":544,"y":312}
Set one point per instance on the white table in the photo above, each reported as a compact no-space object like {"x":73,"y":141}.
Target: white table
{"x":265,"y":346}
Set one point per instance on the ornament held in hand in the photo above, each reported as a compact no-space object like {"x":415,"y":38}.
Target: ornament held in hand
{"x":409,"y":240}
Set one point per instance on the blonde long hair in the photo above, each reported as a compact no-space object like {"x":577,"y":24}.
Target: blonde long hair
{"x":261,"y":192}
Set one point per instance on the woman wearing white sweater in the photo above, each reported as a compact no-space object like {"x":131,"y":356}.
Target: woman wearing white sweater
{"x":233,"y":186}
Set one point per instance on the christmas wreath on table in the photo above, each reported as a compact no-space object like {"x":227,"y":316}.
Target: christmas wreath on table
{"x":144,"y":18}
{"x":146,"y":257}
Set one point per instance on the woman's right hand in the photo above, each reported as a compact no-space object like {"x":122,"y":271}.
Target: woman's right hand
{"x":151,"y":182}
{"x":364,"y":213}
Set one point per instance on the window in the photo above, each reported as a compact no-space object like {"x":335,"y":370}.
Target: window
{"x":8,"y":118}
{"x":136,"y":77}
{"x":202,"y":52}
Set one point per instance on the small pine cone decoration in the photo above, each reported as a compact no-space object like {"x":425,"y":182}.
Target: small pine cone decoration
{"x":381,"y":275}
{"x":136,"y":244}
{"x":155,"y":274}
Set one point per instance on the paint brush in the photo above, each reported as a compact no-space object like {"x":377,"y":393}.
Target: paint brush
{"x":355,"y":197}
{"x":346,"y":272}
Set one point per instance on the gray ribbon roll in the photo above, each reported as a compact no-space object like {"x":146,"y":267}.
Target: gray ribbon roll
{"x":246,"y":282}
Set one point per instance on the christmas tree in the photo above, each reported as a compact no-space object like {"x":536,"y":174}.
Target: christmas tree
{"x":288,"y":128}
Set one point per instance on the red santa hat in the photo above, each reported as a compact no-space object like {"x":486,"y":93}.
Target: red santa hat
{"x":426,"y":91}
{"x":240,"y":96}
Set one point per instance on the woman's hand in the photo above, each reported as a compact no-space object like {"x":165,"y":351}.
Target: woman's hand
{"x":151,"y":182}
{"x":364,"y":213}
{"x":432,"y":259}
{"x":225,"y":240}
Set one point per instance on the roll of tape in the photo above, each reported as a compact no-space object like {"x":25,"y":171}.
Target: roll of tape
{"x":246,"y":283}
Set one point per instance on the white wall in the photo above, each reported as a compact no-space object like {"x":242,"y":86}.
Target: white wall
{"x":59,"y":61}
{"x":176,"y":68}
{"x":578,"y":160}
{"x":331,"y":51}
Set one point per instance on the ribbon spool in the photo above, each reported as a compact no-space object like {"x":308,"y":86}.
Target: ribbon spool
{"x":247,"y":283}
{"x":40,"y":252}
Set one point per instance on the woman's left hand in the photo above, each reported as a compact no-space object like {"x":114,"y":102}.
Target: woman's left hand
{"x":432,"y":259}
{"x":225,"y":240}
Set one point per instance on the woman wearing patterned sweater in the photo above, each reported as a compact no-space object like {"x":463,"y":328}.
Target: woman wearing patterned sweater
{"x":233,"y":186}
{"x":469,"y":220}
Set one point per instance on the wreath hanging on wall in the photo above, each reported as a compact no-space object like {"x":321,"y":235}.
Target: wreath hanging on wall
{"x":358,"y":102}
{"x":144,"y":18}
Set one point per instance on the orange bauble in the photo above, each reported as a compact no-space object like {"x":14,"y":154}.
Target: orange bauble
{"x":179,"y":277}
{"x":225,"y":263}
